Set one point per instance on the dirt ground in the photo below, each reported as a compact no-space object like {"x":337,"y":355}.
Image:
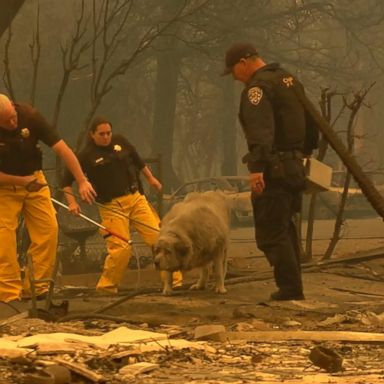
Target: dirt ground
{"x":342,"y":296}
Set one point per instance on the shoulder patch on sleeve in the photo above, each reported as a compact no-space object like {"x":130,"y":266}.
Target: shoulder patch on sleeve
{"x":255,"y":94}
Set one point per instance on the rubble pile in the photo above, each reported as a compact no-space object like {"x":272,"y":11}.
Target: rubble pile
{"x":33,"y":351}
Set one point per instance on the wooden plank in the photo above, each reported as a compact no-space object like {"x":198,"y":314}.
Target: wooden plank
{"x":365,"y":293}
{"x":267,"y":336}
{"x":12,"y":319}
{"x":352,"y":258}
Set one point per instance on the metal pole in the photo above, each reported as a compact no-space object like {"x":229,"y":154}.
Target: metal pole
{"x":93,"y":222}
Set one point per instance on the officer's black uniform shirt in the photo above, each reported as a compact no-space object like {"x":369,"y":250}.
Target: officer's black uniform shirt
{"x":272,"y":117}
{"x":112,"y":170}
{"x":19,"y":149}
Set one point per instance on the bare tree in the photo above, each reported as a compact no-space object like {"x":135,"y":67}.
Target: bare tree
{"x":322,"y":41}
{"x":327,"y":96}
{"x":72,"y":51}
{"x":354,"y":107}
{"x":7,"y":74}
{"x":35,"y":49}
{"x":109,"y":21}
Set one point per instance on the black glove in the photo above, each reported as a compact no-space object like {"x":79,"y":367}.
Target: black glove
{"x":34,"y":186}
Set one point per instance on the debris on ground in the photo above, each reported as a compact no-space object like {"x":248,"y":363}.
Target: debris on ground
{"x":367,"y":318}
{"x":334,"y":336}
{"x":125,"y":355}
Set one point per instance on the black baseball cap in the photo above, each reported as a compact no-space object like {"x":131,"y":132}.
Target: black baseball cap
{"x":235,"y":53}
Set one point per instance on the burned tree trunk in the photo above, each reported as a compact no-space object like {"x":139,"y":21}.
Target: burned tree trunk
{"x":229,"y":162}
{"x":326,"y":111}
{"x":354,"y":107}
{"x":168,"y":66}
{"x":8,"y":10}
{"x":364,"y":182}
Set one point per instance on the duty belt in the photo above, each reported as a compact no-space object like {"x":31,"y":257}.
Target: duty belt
{"x":104,"y":199}
{"x":290,"y":154}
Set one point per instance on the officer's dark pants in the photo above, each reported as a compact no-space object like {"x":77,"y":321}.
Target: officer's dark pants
{"x":276,"y":233}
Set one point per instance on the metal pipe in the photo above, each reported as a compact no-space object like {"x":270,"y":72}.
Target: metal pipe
{"x":107,"y":208}
{"x":112,"y":233}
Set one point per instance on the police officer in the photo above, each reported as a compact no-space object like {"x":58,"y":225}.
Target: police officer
{"x":111,"y":163}
{"x":24,"y":190}
{"x":274,"y":124}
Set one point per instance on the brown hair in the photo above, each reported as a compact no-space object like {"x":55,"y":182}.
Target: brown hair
{"x":95,"y":123}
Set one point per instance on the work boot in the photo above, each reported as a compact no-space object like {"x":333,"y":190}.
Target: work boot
{"x":284,"y":296}
{"x":105,"y":292}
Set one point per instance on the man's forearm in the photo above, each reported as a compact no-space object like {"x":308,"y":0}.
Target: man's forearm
{"x":86,"y":190}
{"x":7,"y":179}
{"x":70,"y":160}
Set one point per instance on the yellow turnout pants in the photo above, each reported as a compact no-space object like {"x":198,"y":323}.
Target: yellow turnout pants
{"x":40,"y":221}
{"x":135,"y":209}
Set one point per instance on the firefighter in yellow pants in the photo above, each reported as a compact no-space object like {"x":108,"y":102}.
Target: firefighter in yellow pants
{"x":112,"y":165}
{"x":24,"y":191}
{"x":136,"y":207}
{"x":40,"y":221}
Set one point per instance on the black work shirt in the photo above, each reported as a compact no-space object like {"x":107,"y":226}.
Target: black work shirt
{"x":20,"y":153}
{"x":272,"y":117}
{"x":112,"y":170}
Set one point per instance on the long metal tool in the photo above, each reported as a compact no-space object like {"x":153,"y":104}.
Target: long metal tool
{"x":110,"y":232}
{"x":118,"y":212}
